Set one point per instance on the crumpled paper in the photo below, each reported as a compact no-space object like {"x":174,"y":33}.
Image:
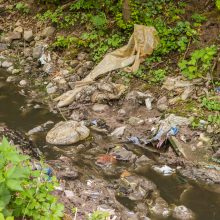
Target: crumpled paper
{"x":141,"y":44}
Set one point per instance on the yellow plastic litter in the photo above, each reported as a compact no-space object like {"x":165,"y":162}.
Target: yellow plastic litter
{"x":141,"y":44}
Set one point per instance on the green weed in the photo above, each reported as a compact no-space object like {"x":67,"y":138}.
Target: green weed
{"x":22,"y":7}
{"x":217,"y":2}
{"x":198,"y":18}
{"x":98,"y":215}
{"x":199,"y":63}
{"x":23,"y":191}
{"x":157,"y":76}
{"x":211,"y":104}
{"x":66,"y":42}
{"x":214,"y":119}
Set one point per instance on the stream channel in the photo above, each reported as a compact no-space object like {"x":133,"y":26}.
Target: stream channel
{"x":15,"y":114}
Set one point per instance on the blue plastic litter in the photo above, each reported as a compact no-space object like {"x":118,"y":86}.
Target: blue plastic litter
{"x":48,"y":171}
{"x":94,"y":122}
{"x":173,"y":131}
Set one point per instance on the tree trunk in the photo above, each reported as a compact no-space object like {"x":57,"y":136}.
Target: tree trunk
{"x":126,"y":10}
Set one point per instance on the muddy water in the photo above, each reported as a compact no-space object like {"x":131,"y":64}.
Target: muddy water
{"x":16,"y":113}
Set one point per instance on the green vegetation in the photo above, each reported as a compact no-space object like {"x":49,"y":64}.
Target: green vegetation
{"x":24,"y":191}
{"x":105,"y":26}
{"x":157,"y":75}
{"x":199,"y":63}
{"x":214,"y":119}
{"x":98,"y":215}
{"x":22,"y":7}
{"x":211,"y":104}
{"x":64,"y":42}
{"x":217,"y":2}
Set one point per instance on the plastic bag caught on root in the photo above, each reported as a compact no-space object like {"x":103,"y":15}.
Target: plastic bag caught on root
{"x":141,"y":44}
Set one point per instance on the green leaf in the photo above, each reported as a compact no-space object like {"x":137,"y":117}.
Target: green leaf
{"x":4,"y":145}
{"x":10,"y":218}
{"x":17,"y":172}
{"x":14,"y":185}
{"x":5,"y":196}
{"x":2,"y":216}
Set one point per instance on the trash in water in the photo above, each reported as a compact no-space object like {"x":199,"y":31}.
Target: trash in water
{"x":105,"y":160}
{"x":165,"y":170}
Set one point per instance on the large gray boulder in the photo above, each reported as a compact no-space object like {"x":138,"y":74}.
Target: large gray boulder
{"x":67,"y":132}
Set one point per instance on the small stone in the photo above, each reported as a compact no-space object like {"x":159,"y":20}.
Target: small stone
{"x":100,"y":108}
{"x":118,"y":132}
{"x":123,"y":154}
{"x":12,"y":79}
{"x":217,"y":154}
{"x":183,"y":213}
{"x":27,"y":52}
{"x":82,"y":56}
{"x":37,"y":106}
{"x":138,"y":97}
{"x":29,"y":59}
{"x":15,"y":71}
{"x":68,"y":175}
{"x":3,"y":47}
{"x":82,"y":71}
{"x":69,"y":194}
{"x":59,"y":80}
{"x":121,"y":112}
{"x":65,"y":72}
{"x":161,"y":208}
{"x":148,"y":103}
{"x":52,"y":89}
{"x":10,"y":69}
{"x":23,"y":82}
{"x":143,"y":161}
{"x":6,"y":64}
{"x":162,"y":104}
{"x":74,"y":63}
{"x":28,"y":35}
{"x":48,"y":31}
{"x":18,"y":23}
{"x":88,"y":64}
{"x":135,"y":121}
{"x":75,"y":116}
{"x":9,"y":37}
{"x":210,"y":129}
{"x":18,"y":29}
{"x":48,"y":68}
{"x":35,"y":130}
{"x":187,"y":92}
{"x":204,"y":138}
{"x":37,"y":51}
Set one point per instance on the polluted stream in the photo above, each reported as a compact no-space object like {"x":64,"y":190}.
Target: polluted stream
{"x":18,"y":114}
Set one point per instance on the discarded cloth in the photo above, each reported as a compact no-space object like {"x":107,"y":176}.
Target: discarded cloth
{"x":141,"y":44}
